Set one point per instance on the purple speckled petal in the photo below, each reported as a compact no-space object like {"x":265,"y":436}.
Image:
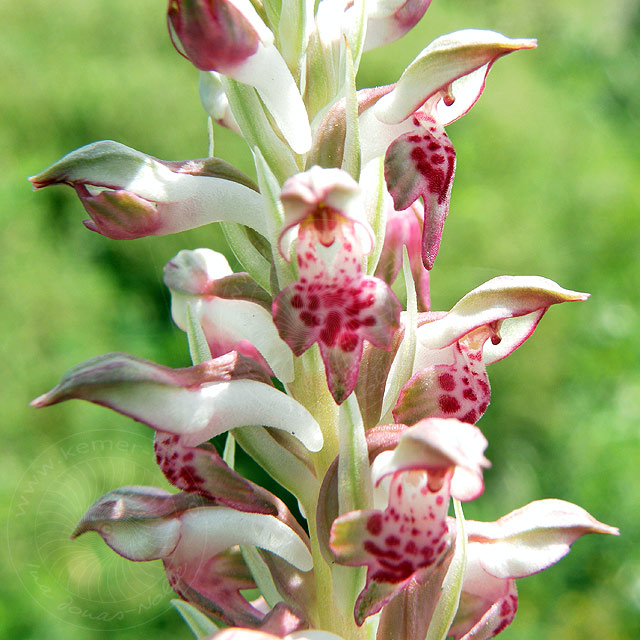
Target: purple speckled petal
{"x":411,"y":535}
{"x":422,"y":164}
{"x":458,"y":390}
{"x":335,"y":305}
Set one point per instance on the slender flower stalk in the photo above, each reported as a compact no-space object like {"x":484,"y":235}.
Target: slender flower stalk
{"x":365,"y":410}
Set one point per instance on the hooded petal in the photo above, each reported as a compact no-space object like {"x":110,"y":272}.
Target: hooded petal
{"x":192,"y":538}
{"x":323,"y":198}
{"x":129,"y":194}
{"x":139,"y":523}
{"x":445,"y":60}
{"x":519,"y":544}
{"x":196,"y":403}
{"x":441,"y":444}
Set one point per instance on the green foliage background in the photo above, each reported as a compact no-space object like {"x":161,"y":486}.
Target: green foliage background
{"x":547,"y":184}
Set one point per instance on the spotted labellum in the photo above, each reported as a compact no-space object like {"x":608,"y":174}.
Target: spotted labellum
{"x":363,"y":408}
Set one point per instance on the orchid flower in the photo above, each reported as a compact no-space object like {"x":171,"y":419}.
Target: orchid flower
{"x":363,"y":411}
{"x":235,"y":313}
{"x":406,"y":124}
{"x":448,"y":376}
{"x":195,"y":403}
{"x":433,"y":460}
{"x":192,"y":538}
{"x":129,"y":195}
{"x":519,"y":544}
{"x":333,"y":303}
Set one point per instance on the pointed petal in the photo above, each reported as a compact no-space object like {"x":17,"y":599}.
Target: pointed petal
{"x":446,"y":59}
{"x":458,"y":390}
{"x":497,"y":299}
{"x":422,"y":164}
{"x":532,"y":538}
{"x":151,"y":195}
{"x":197,"y":402}
{"x":441,"y":444}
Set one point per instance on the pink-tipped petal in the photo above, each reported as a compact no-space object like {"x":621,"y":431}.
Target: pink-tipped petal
{"x":120,"y":215}
{"x":215,"y":36}
{"x":446,"y":59}
{"x":389,"y":21}
{"x":533,"y":537}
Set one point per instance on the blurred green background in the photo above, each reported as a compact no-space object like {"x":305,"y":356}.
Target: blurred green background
{"x":547,"y":184}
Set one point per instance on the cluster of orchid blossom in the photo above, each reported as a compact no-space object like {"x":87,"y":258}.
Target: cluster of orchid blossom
{"x":365,"y":412}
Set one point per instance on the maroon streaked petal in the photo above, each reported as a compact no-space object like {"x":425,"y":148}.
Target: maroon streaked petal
{"x":202,"y":471}
{"x":216,"y":587}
